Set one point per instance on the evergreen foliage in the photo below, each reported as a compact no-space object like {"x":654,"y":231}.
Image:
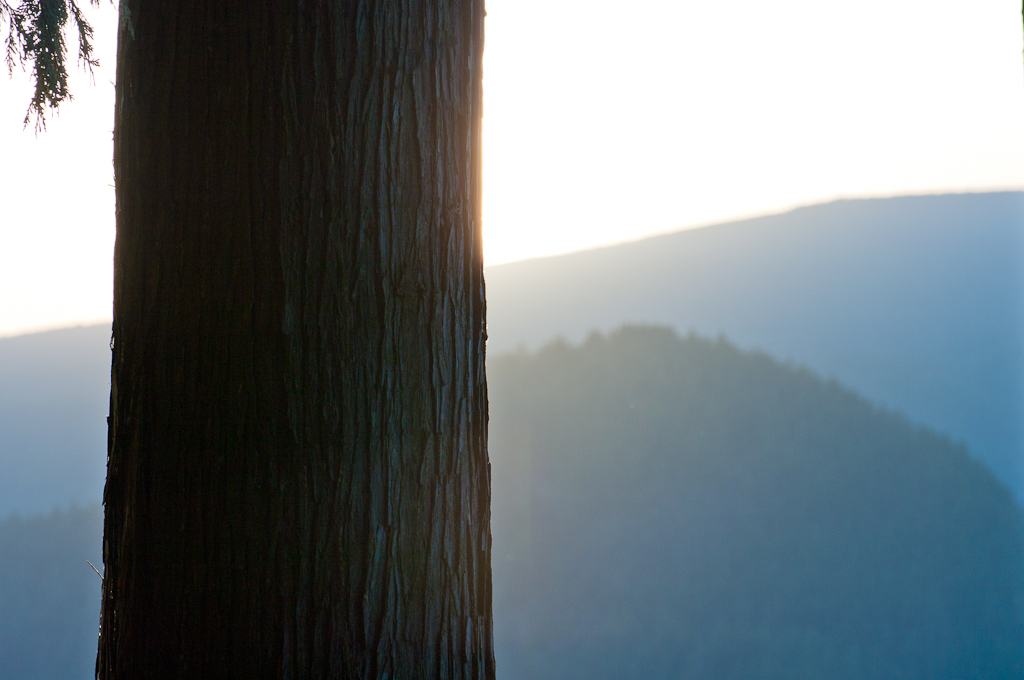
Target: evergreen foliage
{"x":35,"y":36}
{"x":674,"y":508}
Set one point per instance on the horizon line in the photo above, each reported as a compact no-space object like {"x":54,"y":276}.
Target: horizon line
{"x":741,"y":217}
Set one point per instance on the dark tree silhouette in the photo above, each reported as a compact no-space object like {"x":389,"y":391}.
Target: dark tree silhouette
{"x":298,"y":482}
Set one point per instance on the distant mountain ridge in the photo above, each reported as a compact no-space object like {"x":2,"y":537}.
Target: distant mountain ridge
{"x":54,"y":396}
{"x":915,"y":302}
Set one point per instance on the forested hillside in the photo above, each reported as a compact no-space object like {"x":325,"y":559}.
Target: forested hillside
{"x":49,"y":595}
{"x":915,"y":302}
{"x":674,"y":508}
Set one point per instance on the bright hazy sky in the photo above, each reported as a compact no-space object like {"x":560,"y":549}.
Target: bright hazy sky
{"x":604,"y":124}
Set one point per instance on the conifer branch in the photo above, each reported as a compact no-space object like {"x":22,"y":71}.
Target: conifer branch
{"x":35,"y":38}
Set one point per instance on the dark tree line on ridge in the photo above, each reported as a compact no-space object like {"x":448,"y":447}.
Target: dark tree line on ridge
{"x":674,"y":508}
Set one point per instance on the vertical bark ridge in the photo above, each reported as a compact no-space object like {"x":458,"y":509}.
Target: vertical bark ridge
{"x":297,"y":475}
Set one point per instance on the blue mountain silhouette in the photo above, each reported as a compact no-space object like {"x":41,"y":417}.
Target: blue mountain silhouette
{"x":915,"y":302}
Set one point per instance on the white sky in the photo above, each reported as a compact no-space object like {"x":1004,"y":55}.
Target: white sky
{"x":607,"y":121}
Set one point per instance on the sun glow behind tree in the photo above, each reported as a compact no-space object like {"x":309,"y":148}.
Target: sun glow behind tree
{"x":603,"y":125}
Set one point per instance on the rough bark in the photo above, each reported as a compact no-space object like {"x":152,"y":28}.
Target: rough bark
{"x":298,"y":484}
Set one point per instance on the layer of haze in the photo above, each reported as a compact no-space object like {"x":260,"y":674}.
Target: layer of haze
{"x":605,"y":122}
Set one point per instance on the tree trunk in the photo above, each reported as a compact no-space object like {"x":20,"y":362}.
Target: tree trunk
{"x":297,"y":482}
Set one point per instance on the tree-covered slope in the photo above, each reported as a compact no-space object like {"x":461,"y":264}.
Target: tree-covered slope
{"x":49,"y":595}
{"x":915,"y":302}
{"x":667,"y":508}
{"x":674,"y":508}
